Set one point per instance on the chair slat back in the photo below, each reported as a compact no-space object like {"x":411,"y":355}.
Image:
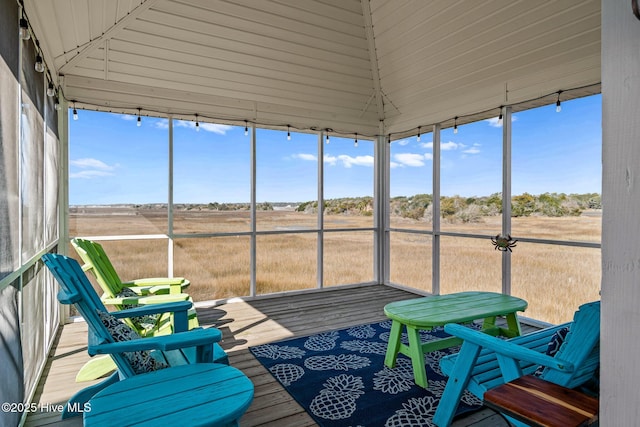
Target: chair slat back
{"x":97,"y":261}
{"x":581,"y":347}
{"x":76,"y":289}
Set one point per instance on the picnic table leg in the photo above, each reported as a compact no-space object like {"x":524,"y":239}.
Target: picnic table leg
{"x":513,"y":326}
{"x":394,"y":344}
{"x":417,"y":357}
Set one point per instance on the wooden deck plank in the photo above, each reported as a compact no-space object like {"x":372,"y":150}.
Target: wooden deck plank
{"x":243,"y":324}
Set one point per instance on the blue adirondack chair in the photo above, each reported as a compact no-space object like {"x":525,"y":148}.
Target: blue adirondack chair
{"x":485,"y":362}
{"x":183,"y":347}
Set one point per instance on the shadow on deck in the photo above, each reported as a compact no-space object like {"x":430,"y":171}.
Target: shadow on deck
{"x":243,"y":324}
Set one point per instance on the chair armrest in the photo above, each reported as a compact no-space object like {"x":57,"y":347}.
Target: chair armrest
{"x":507,"y":349}
{"x":151,"y":285}
{"x":193,"y":338}
{"x":172,"y":307}
{"x":144,"y":300}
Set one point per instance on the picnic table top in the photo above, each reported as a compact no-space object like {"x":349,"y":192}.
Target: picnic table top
{"x":459,"y":307}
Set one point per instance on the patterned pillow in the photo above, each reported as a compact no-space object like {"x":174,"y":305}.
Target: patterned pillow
{"x":554,"y":345}
{"x":146,"y":322}
{"x":141,"y":361}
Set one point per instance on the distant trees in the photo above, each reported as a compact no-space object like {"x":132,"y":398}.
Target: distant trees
{"x":419,"y":207}
{"x":472,"y":209}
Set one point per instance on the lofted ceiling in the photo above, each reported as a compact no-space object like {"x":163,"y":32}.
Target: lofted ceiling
{"x":366,"y":66}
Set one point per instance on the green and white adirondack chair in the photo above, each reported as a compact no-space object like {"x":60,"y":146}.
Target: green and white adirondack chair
{"x":99,"y":264}
{"x":123,"y":295}
{"x":184,"y":346}
{"x":485,"y":362}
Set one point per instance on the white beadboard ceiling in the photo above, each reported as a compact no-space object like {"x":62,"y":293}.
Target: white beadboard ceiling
{"x":347,"y":65}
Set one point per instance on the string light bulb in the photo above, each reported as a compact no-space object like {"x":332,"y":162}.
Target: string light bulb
{"x":197,"y":124}
{"x":558,"y":106}
{"x":75,"y":112}
{"x":56,"y":104}
{"x":24,"y":29}
{"x":39,"y":65}
{"x":246,"y":128}
{"x":355,"y":143}
{"x":288,"y":133}
{"x":500,"y":116}
{"x":455,"y":125}
{"x":328,"y":138}
{"x":418,"y":138}
{"x":139,"y":123}
{"x":51,"y":91}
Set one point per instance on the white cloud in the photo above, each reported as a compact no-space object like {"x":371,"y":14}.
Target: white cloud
{"x":128,"y":117}
{"x":348,"y":161}
{"x":472,"y":150}
{"x":91,"y":168}
{"x":410,"y":159}
{"x":428,"y":145}
{"x":447,"y":146}
{"x":401,"y":141}
{"x":497,"y":122}
{"x":91,"y":163}
{"x":305,"y":156}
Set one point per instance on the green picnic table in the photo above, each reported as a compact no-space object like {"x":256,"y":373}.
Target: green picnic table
{"x":428,"y":312}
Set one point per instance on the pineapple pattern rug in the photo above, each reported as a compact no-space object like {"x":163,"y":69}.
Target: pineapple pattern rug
{"x":340,"y":379}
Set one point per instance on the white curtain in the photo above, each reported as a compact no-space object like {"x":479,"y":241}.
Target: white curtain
{"x":11,"y":367}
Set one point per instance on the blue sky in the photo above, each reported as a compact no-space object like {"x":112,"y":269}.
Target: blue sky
{"x":114,"y":161}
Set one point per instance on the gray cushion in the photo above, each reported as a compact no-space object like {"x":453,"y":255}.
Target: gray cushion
{"x":141,"y":361}
{"x":141,"y":322}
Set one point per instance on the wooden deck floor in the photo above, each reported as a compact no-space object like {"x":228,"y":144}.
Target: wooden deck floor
{"x":244,"y":323}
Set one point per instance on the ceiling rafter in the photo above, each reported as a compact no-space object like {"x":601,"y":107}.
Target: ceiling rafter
{"x":110,"y":33}
{"x":373,"y":57}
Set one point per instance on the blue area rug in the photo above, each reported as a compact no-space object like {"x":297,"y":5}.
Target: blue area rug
{"x":340,"y":379}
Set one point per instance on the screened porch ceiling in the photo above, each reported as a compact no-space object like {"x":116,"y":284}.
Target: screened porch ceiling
{"x":345,"y":65}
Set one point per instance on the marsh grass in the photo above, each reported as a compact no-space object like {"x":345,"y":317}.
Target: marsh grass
{"x":553,"y":279}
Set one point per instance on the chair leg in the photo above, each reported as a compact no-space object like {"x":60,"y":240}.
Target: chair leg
{"x":456,"y":384}
{"x":96,"y":367}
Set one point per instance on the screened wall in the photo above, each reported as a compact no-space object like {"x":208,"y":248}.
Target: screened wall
{"x":235,"y":208}
{"x":29,"y":212}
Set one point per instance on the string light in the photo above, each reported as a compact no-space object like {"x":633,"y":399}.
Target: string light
{"x":355,"y":143}
{"x":197,"y":124}
{"x":51,"y":91}
{"x":139,"y":123}
{"x":327,"y":130}
{"x":246,"y":128}
{"x":455,"y":125}
{"x":558,"y":106}
{"x":39,"y":65}
{"x":56,"y":104}
{"x":500,"y":116}
{"x":288,"y":133}
{"x":24,"y":29}
{"x":418,"y":138}
{"x":75,"y":112}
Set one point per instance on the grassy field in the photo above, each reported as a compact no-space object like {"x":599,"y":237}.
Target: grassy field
{"x":553,"y":279}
